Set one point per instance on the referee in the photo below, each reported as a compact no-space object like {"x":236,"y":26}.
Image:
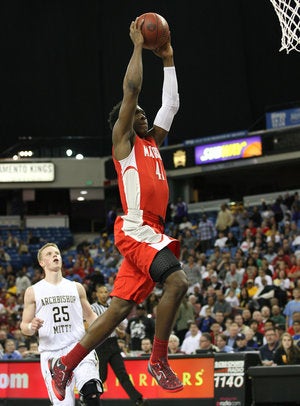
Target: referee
{"x":109,"y":353}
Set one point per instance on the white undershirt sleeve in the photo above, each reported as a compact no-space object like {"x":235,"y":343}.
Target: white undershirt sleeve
{"x":170,"y":99}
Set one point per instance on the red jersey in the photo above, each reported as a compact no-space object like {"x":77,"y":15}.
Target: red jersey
{"x":139,"y":233}
{"x":142,"y":179}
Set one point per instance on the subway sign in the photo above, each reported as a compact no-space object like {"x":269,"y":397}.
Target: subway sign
{"x":227,"y":150}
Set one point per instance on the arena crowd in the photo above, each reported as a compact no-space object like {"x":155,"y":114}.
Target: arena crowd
{"x":243,"y":268}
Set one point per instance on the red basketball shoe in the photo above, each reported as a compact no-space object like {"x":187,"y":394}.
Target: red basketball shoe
{"x":61,"y":377}
{"x":164,"y":376}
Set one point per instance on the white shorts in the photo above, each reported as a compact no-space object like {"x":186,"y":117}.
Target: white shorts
{"x":87,"y":370}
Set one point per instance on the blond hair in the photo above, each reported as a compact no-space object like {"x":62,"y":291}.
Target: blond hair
{"x":40,"y":251}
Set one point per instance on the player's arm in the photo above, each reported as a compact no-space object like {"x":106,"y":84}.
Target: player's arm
{"x":132,"y":84}
{"x":170,"y":96}
{"x":30,"y":324}
{"x":88,"y":314}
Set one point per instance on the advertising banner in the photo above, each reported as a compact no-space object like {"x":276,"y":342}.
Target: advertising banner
{"x":228,"y":150}
{"x":24,"y":380}
{"x":283,"y":118}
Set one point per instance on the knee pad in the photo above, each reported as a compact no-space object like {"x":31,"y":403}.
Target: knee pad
{"x":90,"y":393}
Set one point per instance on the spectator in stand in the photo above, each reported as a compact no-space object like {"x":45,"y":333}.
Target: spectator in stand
{"x":189,"y":240}
{"x":196,"y":306}
{"x":185,"y":316}
{"x":205,"y":323}
{"x":233,"y":332}
{"x":193,"y":273}
{"x":251,"y":339}
{"x":219,"y":317}
{"x":3,"y":337}
{"x":221,"y":304}
{"x":191,"y":342}
{"x":223,"y":266}
{"x":110,"y":283}
{"x":228,"y":322}
{"x":221,"y":240}
{"x":221,"y":340}
{"x":181,"y":210}
{"x":22,"y":281}
{"x":247,"y":316}
{"x":244,"y":298}
{"x":277,"y":210}
{"x":255,"y":216}
{"x":287,"y":352}
{"x":206,"y":344}
{"x":23,"y":248}
{"x":256,"y":315}
{"x":231,"y":241}
{"x":215,"y":330}
{"x":258,"y":337}
{"x":174,"y":345}
{"x":18,"y":337}
{"x":238,"y":319}
{"x":206,"y":233}
{"x":186,"y":224}
{"x":282,"y":281}
{"x":263,"y":295}
{"x":233,"y":275}
{"x":4,"y":256}
{"x":247,"y":242}
{"x":251,"y":288}
{"x":282,"y":257}
{"x":276,"y":315}
{"x":123,"y":348}
{"x":232,"y":298}
{"x":139,"y":327}
{"x":10,"y":351}
{"x":22,"y":348}
{"x":271,"y":254}
{"x":215,"y":282}
{"x":267,"y":350}
{"x":250,"y":273}
{"x":209,"y":305}
{"x":207,"y":275}
{"x":294,"y":271}
{"x":32,"y":352}
{"x":296,"y":328}
{"x":224,"y":219}
{"x":146,"y":346}
{"x":11,"y":286}
{"x":241,"y":343}
{"x":291,"y":307}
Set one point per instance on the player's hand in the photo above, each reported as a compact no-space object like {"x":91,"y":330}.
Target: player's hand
{"x":36,"y":324}
{"x":166,"y":51}
{"x":136,"y":33}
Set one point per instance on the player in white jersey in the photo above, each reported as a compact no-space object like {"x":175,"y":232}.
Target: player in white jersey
{"x":56,"y":308}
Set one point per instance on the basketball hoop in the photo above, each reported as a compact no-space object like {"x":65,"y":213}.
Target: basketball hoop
{"x":288,"y":13}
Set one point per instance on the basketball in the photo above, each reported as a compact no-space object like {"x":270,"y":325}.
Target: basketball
{"x":155,"y":30}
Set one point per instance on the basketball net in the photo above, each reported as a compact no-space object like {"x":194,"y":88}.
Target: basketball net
{"x":288,"y":13}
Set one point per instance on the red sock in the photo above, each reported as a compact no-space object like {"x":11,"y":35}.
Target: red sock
{"x":159,"y":350}
{"x":76,"y":355}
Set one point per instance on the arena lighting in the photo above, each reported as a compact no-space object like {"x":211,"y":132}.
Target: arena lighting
{"x":79,"y":156}
{"x":80,"y":198}
{"x":83,"y":192}
{"x":25,"y":154}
